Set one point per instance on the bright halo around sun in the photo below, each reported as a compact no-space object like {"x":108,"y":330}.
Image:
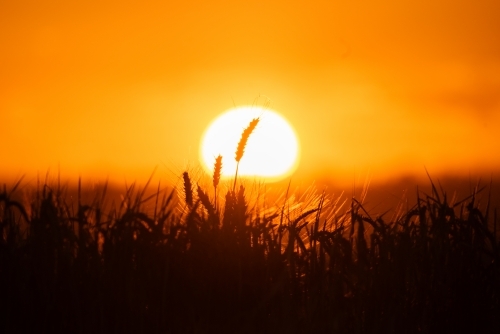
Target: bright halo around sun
{"x":271,"y":152}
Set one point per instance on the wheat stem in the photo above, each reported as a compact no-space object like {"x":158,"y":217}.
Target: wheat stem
{"x":216,"y":176}
{"x":188,"y":190}
{"x":241,"y":146}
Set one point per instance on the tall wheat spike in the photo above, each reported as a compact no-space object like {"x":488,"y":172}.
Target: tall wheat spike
{"x":188,"y":189}
{"x":216,"y":176}
{"x":241,"y":145}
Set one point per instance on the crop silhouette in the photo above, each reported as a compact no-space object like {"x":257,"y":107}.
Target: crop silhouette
{"x":177,"y":261}
{"x":241,"y":145}
{"x":216,"y":176}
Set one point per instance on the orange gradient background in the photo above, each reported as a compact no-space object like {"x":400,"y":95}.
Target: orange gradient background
{"x":114,"y":88}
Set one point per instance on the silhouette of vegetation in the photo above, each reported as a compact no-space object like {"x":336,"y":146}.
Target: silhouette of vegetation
{"x":241,"y":146}
{"x":174,"y":262}
{"x":180,"y":261}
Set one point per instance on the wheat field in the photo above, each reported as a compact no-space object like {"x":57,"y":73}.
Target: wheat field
{"x":213,"y":259}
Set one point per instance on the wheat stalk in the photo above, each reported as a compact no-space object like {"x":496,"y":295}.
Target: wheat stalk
{"x":188,"y":190}
{"x":216,"y":176}
{"x":203,"y":197}
{"x":241,"y":145}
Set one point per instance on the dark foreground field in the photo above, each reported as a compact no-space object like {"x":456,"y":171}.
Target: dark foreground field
{"x":180,"y":262}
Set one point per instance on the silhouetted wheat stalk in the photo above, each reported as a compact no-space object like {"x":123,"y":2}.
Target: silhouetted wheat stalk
{"x":216,"y":176}
{"x":241,"y":146}
{"x":188,"y":190}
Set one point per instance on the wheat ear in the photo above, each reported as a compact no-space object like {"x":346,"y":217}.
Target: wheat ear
{"x":241,"y":145}
{"x":216,"y":177}
{"x":188,"y":190}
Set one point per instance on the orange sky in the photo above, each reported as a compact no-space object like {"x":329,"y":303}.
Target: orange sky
{"x":115,"y":88}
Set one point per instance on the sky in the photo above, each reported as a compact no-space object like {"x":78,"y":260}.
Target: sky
{"x":115,"y":89}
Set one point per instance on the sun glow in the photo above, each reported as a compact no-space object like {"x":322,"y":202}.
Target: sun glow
{"x":271,"y":151}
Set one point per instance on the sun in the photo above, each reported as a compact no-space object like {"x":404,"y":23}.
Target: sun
{"x":271,"y":152}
